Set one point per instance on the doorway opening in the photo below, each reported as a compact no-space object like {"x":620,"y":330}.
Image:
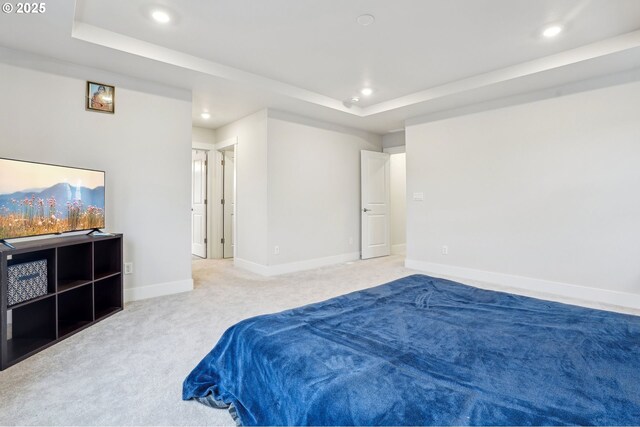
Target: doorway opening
{"x":398,"y":207}
{"x":228,"y":201}
{"x":383,"y":208}
{"x":199,"y":203}
{"x":375,"y":193}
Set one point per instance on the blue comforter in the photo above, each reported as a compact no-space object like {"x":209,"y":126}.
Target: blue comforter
{"x":426,"y":351}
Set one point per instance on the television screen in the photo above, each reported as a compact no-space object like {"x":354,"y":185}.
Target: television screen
{"x":38,"y":199}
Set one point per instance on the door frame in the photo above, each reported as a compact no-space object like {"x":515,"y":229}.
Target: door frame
{"x":228,"y":200}
{"x":364,"y":204}
{"x":216,"y":244}
{"x":210,"y":149}
{"x":206,"y":203}
{"x":401,"y":248}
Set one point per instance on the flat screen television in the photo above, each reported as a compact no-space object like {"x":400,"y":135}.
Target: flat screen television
{"x":38,"y":198}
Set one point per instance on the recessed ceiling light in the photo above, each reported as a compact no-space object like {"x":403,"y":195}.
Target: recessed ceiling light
{"x":552,"y":31}
{"x":161,"y":16}
{"x":366,"y":91}
{"x":205,"y":115}
{"x":355,"y":99}
{"x":366,"y":19}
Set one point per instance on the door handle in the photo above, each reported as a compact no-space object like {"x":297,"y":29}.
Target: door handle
{"x":366,"y":210}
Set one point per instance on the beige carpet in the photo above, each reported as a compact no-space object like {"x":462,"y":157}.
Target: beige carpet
{"x":128,"y":369}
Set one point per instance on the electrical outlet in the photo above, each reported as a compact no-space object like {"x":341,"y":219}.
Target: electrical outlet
{"x":128,"y":268}
{"x":445,"y":250}
{"x":276,"y":250}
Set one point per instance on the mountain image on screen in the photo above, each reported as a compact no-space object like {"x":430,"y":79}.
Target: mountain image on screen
{"x":61,"y":207}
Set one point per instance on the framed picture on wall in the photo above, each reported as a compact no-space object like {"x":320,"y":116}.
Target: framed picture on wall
{"x":101,"y":97}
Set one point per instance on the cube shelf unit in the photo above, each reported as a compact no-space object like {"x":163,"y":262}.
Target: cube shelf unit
{"x":84,"y":286}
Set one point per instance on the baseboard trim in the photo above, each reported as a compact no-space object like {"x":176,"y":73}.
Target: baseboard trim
{"x":400,"y":249}
{"x":292,"y":267}
{"x":596,"y":295}
{"x":251,"y":266}
{"x":158,"y":290}
{"x":310,"y":264}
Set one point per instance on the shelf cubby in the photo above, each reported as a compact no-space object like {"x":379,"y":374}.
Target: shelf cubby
{"x":47,"y":254}
{"x":107,"y":258}
{"x":107,"y":296}
{"x":33,"y":327}
{"x":75,"y":310}
{"x":84,"y":285}
{"x":75,"y":266}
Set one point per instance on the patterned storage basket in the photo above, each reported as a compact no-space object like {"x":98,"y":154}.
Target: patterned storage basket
{"x":27,"y":281}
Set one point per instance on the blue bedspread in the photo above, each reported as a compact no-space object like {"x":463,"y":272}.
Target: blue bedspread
{"x":427,"y":351}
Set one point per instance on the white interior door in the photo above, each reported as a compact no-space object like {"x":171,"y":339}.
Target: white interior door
{"x":375,"y":181}
{"x":229,"y":203}
{"x":199,"y":203}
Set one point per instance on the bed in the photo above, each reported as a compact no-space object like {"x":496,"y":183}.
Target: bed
{"x":426,"y":351}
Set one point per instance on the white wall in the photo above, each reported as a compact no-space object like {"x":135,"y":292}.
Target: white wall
{"x":547,"y":190}
{"x":394,"y":139}
{"x":251,"y":187}
{"x":145,"y":149}
{"x":398,"y":208}
{"x":314,"y":189}
{"x":202,"y":136}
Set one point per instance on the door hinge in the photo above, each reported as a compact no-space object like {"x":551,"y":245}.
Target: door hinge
{"x":222,"y":162}
{"x":222,"y":201}
{"x":205,"y":201}
{"x":205,"y":240}
{"x":205,"y":163}
{"x":222,"y":241}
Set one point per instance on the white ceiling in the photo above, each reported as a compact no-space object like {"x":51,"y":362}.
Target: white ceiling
{"x":309,"y":56}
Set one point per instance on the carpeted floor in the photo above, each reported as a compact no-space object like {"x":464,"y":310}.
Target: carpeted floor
{"x":128,"y":369}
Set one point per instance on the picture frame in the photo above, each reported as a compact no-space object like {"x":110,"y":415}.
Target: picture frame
{"x":100,"y":97}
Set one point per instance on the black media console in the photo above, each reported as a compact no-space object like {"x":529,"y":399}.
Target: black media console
{"x":84,"y":286}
